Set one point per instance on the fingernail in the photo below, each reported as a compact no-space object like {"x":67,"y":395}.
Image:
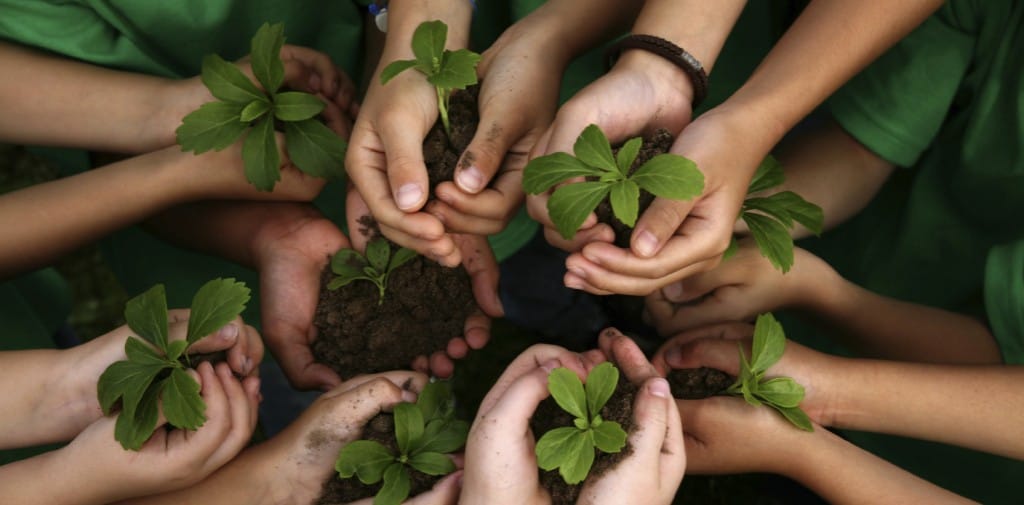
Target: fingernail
{"x":646,"y":244}
{"x":246,"y":365}
{"x":470,"y":179}
{"x":573,"y":283}
{"x":408,"y":196}
{"x":673,"y":355}
{"x":658,"y":387}
{"x":578,"y":272}
{"x":228,"y":332}
{"x":673,"y":292}
{"x":408,"y":396}
{"x":550,"y":365}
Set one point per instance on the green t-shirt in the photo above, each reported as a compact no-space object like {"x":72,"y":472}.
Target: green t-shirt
{"x":1004,"y":299}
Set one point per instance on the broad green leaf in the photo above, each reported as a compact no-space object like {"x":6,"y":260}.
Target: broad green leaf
{"x":769,"y":343}
{"x":296,"y":106}
{"x":213,"y":126}
{"x":128,"y":381}
{"x":567,"y":391}
{"x":600,"y":385}
{"x":670,"y":176}
{"x":552,"y":449}
{"x":444,"y":436}
{"x":408,"y":426}
{"x":266,"y":56}
{"x":183,"y":407}
{"x":396,"y":486}
{"x":570,"y":205}
{"x":260,"y":157}
{"x":364,"y":458}
{"x":254,"y":111}
{"x":802,"y":211}
{"x":781,"y":392}
{"x":581,"y":424}
{"x":377,"y":253}
{"x":428,"y":44}
{"x":400,"y":257}
{"x":134,"y":429}
{"x":227,"y":83}
{"x":772,"y":239}
{"x":543,"y":172}
{"x":458,"y":70}
{"x":609,"y":437}
{"x":348,"y":263}
{"x":216,"y":304}
{"x":625,"y":200}
{"x":146,"y":315}
{"x":771,"y":207}
{"x":342,"y":281}
{"x":748,"y":389}
{"x":394,"y":68}
{"x":433,"y":399}
{"x":432,"y":463}
{"x":176,"y":348}
{"x":314,"y":149}
{"x":592,"y":148}
{"x":768,"y":175}
{"x":797,"y":417}
{"x":140,"y":353}
{"x":627,"y":155}
{"x":579,"y":459}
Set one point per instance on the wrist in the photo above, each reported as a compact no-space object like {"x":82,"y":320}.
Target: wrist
{"x":666,"y":76}
{"x":404,"y":16}
{"x":174,"y":99}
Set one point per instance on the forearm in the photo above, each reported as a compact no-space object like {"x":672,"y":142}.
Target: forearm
{"x":27,"y":376}
{"x":563,"y":40}
{"x":239,"y":481}
{"x":45,"y":480}
{"x":405,"y":15}
{"x":698,"y":26}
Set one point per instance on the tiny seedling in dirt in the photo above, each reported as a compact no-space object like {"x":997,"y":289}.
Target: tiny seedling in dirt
{"x":375,"y":266}
{"x":446,"y":70}
{"x":665,"y":175}
{"x":242,"y":106}
{"x":780,"y":393}
{"x":571,"y":448}
{"x":425,"y":431}
{"x":155,"y":371}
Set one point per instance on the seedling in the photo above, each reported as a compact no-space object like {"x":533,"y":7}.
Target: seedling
{"x":780,"y":393}
{"x":571,"y":448}
{"x":446,"y":70}
{"x":243,"y":107}
{"x":665,"y":175}
{"x":375,"y":267}
{"x":426,"y":431}
{"x":155,"y":372}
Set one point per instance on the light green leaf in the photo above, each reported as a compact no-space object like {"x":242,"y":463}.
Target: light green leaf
{"x":296,"y":106}
{"x":260,"y":157}
{"x":567,"y":391}
{"x":377,"y":253}
{"x":609,"y":437}
{"x":254,"y":111}
{"x":227,"y":83}
{"x":216,"y":304}
{"x":592,"y":148}
{"x":625,"y":200}
{"x":600,"y":385}
{"x":364,"y":458}
{"x":146,"y":315}
{"x":175,"y":349}
{"x":348,"y":263}
{"x":802,"y":211}
{"x":553,"y":448}
{"x":394,"y":68}
{"x":670,"y":176}
{"x":408,"y":426}
{"x":543,"y":172}
{"x":579,"y":459}
{"x":570,"y":205}
{"x":443,"y":436}
{"x":749,"y":389}
{"x":768,"y":175}
{"x":127,"y":381}
{"x":458,"y":70}
{"x":772,"y":239}
{"x":769,"y":343}
{"x":315,"y":149}
{"x":428,"y":44}
{"x":627,"y":155}
{"x":400,"y":257}
{"x":183,"y":407}
{"x":797,"y":417}
{"x":132,"y":429}
{"x":781,"y":392}
{"x":771,"y":207}
{"x":433,"y":399}
{"x":266,"y":56}
{"x":432,"y":463}
{"x":396,"y":486}
{"x":213,"y":126}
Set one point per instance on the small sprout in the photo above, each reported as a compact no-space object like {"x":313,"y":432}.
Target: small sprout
{"x":375,"y":266}
{"x":571,"y":448}
{"x":446,"y":70}
{"x":156,"y":372}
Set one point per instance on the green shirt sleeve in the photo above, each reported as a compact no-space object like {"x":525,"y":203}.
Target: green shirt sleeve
{"x":1004,"y":299}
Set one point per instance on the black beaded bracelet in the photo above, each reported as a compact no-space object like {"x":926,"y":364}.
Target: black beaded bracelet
{"x":671,"y":52}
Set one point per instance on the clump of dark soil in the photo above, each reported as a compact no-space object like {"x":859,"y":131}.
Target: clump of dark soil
{"x":550,"y":416}
{"x":698,"y":383}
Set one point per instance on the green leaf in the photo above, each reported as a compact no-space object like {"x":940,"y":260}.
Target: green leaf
{"x":567,"y":391}
{"x":769,"y":343}
{"x":315,"y":149}
{"x":254,"y":111}
{"x":142,"y":354}
{"x":733,"y":248}
{"x":432,"y":463}
{"x":364,"y":458}
{"x":127,"y":381}
{"x":600,"y":385}
{"x":579,"y":459}
{"x":670,"y":176}
{"x":592,"y":148}
{"x":771,"y":207}
{"x":213,"y":126}
{"x":216,"y":304}
{"x":749,"y":389}
{"x":266,"y":56}
{"x":543,"y":172}
{"x":175,"y":349}
{"x":348,"y":263}
{"x":443,"y":436}
{"x":408,"y":426}
{"x":340,"y":282}
{"x":394,"y":68}
{"x":428,"y":44}
{"x":227,"y":83}
{"x":260,"y":157}
{"x":627,"y":155}
{"x":433,"y":400}
{"x":132,"y":429}
{"x":377,"y":253}
{"x":396,"y":486}
{"x":458,"y":70}
{"x":609,"y":437}
{"x":400,"y":257}
{"x":625,"y":200}
{"x":146,"y":315}
{"x":296,"y":106}
{"x":797,"y":417}
{"x":772,"y":239}
{"x":570,"y":205}
{"x":781,"y":392}
{"x":183,"y":407}
{"x":768,"y":175}
{"x":553,"y":448}
{"x":802,"y":211}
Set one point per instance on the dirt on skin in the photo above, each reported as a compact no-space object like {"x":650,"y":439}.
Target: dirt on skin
{"x":698,"y":383}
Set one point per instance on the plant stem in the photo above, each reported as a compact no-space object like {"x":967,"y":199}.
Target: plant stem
{"x":442,"y":107}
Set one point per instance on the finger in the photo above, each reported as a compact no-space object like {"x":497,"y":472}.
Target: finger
{"x":459,"y":222}
{"x":511,"y":412}
{"x":410,"y":382}
{"x":406,"y":171}
{"x":477,"y":331}
{"x":711,"y":353}
{"x":607,"y":278}
{"x":498,"y":130}
{"x":177,"y":315}
{"x":722,"y":331}
{"x":657,"y":224}
{"x":421,"y":364}
{"x":242,"y":415}
{"x":482,"y":267}
{"x":683,"y":253}
{"x":650,"y":412}
{"x":441,"y":365}
{"x":457,"y":348}
{"x":301,"y":368}
{"x":537,"y":208}
{"x":443,"y":250}
{"x":673,"y":448}
{"x":533,"y":357}
{"x":327,"y":74}
{"x":723,"y":304}
{"x":249,"y":356}
{"x":218,"y":419}
{"x":445,"y":491}
{"x":627,"y":355}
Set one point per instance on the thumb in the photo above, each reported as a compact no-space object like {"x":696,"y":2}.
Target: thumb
{"x":658,"y":436}
{"x":482,"y":267}
{"x":712,"y":353}
{"x":484,"y":154}
{"x":445,"y":491}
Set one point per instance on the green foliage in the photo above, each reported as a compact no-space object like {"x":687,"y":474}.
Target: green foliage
{"x":446,"y":70}
{"x":425,"y":432}
{"x":245,"y":107}
{"x":781,"y":393}
{"x":571,"y":448}
{"x":665,"y":175}
{"x":375,"y":266}
{"x":155,"y":371}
